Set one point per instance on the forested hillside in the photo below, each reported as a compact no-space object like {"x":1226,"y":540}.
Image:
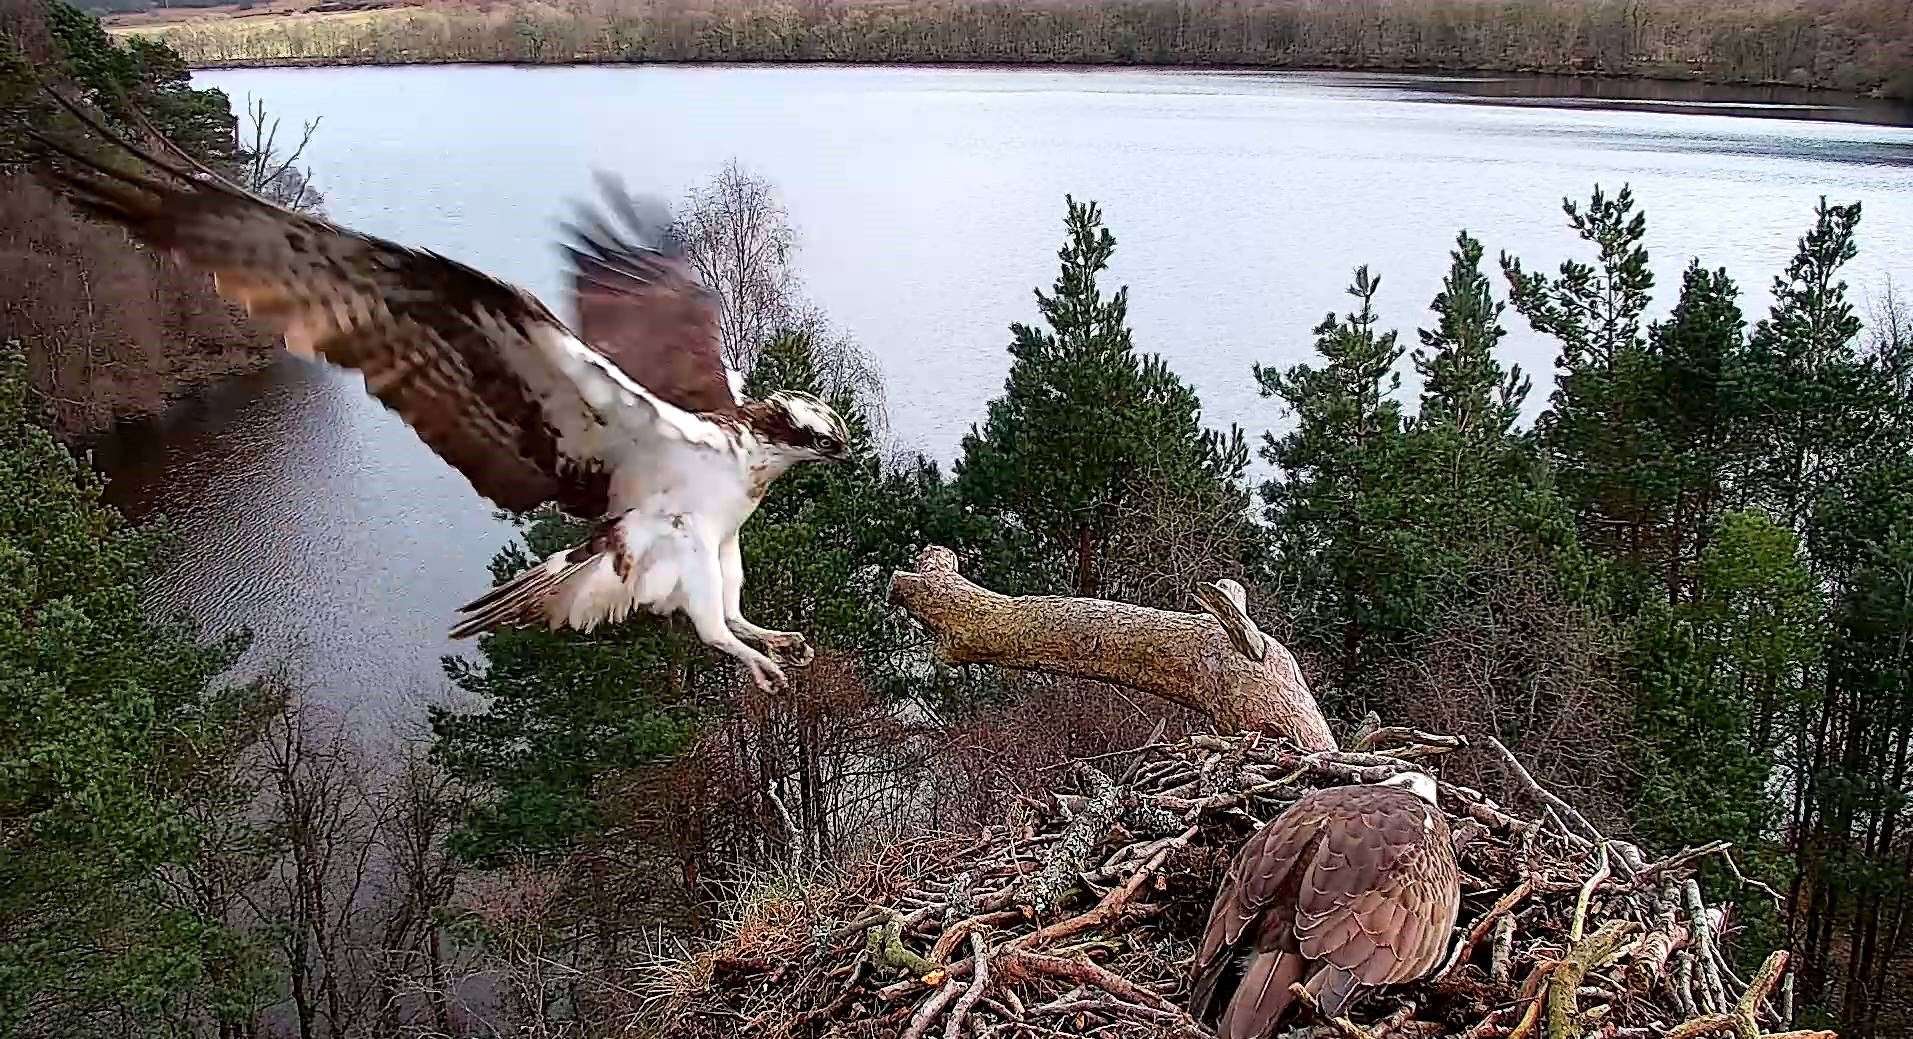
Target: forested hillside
{"x":1683,"y":599}
{"x":111,"y":332}
{"x":1857,"y":45}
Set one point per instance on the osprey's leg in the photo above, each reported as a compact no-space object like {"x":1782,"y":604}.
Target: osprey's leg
{"x":704,"y":600}
{"x":787,"y":646}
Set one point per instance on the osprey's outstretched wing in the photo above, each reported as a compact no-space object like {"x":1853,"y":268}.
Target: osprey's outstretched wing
{"x":485,"y":374}
{"x":641,"y":305}
{"x":1351,"y":887}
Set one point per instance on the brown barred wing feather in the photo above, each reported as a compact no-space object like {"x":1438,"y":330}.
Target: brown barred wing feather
{"x":484,"y":373}
{"x":642,"y":306}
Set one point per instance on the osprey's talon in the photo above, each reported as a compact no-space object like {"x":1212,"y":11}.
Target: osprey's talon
{"x":767,"y":675}
{"x":790,"y":649}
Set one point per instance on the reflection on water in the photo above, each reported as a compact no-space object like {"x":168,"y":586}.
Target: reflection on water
{"x":929,"y":203}
{"x":1782,"y":102}
{"x":309,"y":513}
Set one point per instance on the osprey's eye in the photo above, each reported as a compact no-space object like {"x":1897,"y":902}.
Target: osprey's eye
{"x":827,"y":444}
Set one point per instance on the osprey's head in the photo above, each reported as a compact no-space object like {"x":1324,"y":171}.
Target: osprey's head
{"x":1421,"y":784}
{"x":802,"y":428}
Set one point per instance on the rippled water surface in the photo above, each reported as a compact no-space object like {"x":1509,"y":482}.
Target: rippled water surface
{"x":929,"y":202}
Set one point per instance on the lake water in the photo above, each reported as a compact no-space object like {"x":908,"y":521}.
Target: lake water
{"x":929,"y":204}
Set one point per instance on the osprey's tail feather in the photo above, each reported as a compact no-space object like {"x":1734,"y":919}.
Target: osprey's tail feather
{"x":1261,"y":1002}
{"x":520,"y":602}
{"x":598,"y":582}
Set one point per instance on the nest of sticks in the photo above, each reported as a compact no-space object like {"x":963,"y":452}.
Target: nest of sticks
{"x":1081,"y":919}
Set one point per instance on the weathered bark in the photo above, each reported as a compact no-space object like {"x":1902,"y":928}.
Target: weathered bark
{"x":1238,"y":676}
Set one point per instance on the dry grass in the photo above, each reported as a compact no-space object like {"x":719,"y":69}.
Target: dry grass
{"x":132,"y":21}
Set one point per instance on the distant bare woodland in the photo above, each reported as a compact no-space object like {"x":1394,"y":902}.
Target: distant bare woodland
{"x":1856,"y":45}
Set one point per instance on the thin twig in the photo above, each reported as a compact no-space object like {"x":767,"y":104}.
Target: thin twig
{"x":980,"y":984}
{"x":1601,"y":872}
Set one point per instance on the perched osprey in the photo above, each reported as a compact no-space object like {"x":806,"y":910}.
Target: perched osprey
{"x":1352,"y":887}
{"x":629,"y":417}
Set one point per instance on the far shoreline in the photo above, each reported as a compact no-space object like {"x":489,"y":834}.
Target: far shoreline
{"x":1774,"y":100}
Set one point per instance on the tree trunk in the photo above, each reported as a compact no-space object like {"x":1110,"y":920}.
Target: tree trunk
{"x":1218,"y":664}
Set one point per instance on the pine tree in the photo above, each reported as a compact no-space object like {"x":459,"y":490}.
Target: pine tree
{"x":556,"y":712}
{"x":1857,"y":747}
{"x":121,"y":74}
{"x":1718,"y":678}
{"x":1083,"y":422}
{"x":1805,"y":378}
{"x":1590,"y":433}
{"x":1694,"y":417}
{"x":106,"y":716}
{"x":1464,"y":387}
{"x":1333,"y":507}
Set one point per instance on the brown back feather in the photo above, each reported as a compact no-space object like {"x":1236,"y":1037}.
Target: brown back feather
{"x":1358,"y":883}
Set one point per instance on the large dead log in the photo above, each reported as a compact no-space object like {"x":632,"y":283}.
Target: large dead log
{"x":1218,"y":663}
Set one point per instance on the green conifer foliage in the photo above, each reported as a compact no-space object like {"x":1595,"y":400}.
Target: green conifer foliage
{"x":1807,"y":385}
{"x":1334,"y":505}
{"x":1591,"y":435}
{"x":106,"y":716}
{"x":1695,"y":421}
{"x":1084,"y":420}
{"x":1464,"y":387}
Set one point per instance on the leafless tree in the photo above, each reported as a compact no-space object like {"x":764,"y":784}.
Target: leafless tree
{"x":421,"y":805}
{"x":1523,"y":659}
{"x":322,"y":804}
{"x":1168,"y":541}
{"x":741,"y":242}
{"x":267,"y":172}
{"x":1890,"y":338}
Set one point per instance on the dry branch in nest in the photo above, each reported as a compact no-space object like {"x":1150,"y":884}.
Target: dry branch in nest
{"x":1082,"y":920}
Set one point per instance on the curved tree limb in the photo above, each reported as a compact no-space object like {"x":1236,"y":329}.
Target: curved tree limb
{"x":1227,"y":669}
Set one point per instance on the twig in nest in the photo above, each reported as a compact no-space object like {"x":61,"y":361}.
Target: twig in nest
{"x":1501,"y":962}
{"x":1601,"y":872}
{"x":957,"y":932}
{"x":1113,"y":904}
{"x":1680,"y":858}
{"x":1487,"y":1026}
{"x":1763,"y":982}
{"x":1480,"y":930}
{"x":1528,"y":783}
{"x":920,"y":1022}
{"x":1407,"y":743}
{"x":1528,"y":1019}
{"x":1746,"y":881}
{"x":1088,"y":973}
{"x":1564,"y":1011}
{"x":887,"y":949}
{"x":978,"y":985}
{"x":1707,"y":1024}
{"x":1349,"y":1029}
{"x":1713,"y":992}
{"x":1070,"y":855}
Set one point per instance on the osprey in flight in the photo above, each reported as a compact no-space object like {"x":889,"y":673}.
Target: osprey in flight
{"x":1352,"y":887}
{"x":628,"y":417}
